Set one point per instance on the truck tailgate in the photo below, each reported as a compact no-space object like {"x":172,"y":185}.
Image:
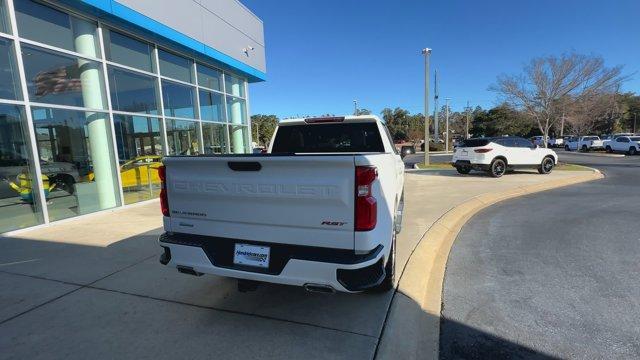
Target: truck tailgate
{"x":303,"y":200}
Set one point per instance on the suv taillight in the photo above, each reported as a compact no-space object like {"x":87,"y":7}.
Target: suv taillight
{"x":366,"y":205}
{"x":164,"y":201}
{"x":483,"y":150}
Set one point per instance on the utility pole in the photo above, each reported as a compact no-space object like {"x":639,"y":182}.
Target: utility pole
{"x":635,"y":117}
{"x":562,"y":126}
{"x":446,"y":127}
{"x":436,"y":109}
{"x":355,"y":107}
{"x":258,"y":132}
{"x":466,"y":135}
{"x":427,"y":53}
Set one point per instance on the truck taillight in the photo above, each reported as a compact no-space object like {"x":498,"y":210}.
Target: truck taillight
{"x":164,"y":201}
{"x":366,"y":205}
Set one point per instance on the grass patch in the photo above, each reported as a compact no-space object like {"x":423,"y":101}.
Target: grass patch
{"x":571,"y":167}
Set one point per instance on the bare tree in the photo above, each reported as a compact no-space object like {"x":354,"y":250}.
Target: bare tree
{"x":597,"y":112}
{"x":546,"y":82}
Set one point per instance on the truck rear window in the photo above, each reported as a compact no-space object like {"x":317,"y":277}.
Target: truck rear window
{"x":322,"y":138}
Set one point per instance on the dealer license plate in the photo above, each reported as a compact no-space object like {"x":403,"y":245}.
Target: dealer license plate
{"x":251,"y":255}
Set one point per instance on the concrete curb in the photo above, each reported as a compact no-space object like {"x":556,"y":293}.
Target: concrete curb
{"x":415,"y":167}
{"x":596,"y":154}
{"x":412,"y":328}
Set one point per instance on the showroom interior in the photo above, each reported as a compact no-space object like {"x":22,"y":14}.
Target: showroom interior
{"x":90,"y":103}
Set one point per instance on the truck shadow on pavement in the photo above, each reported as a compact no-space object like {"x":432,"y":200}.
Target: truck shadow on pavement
{"x":460,"y":341}
{"x":73,"y":300}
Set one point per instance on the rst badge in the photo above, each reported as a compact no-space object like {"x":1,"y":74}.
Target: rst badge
{"x":333,"y":223}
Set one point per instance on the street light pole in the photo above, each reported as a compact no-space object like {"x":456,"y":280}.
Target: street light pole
{"x":355,"y":107}
{"x":466,"y":135}
{"x":436,"y":120}
{"x":446,"y":127}
{"x":427,"y":53}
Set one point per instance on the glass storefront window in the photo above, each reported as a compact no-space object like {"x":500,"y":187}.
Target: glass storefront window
{"x":210,"y":78}
{"x":211,"y":106}
{"x":9,"y":79}
{"x":76,"y":154}
{"x":140,"y":155}
{"x":62,"y":79}
{"x":238,"y":136}
{"x":178,"y":100}
{"x":132,"y":92}
{"x":236,"y":110}
{"x":128,"y":51}
{"x":18,"y":192}
{"x":56,"y":28}
{"x":5,"y":26}
{"x":175,"y":67}
{"x":215,"y":138}
{"x":182,"y":136}
{"x":233,"y":85}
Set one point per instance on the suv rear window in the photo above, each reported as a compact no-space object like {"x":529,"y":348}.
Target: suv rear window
{"x":475,"y":142}
{"x":321,"y":138}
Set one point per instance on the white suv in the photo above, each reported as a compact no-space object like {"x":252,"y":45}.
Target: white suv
{"x":497,"y":155}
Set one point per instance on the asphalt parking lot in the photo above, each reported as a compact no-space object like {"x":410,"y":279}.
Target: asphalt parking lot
{"x":550,"y":275}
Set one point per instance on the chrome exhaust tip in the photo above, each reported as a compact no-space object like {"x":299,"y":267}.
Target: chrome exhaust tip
{"x":319,"y":288}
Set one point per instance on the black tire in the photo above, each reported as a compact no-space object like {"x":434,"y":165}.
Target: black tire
{"x":585,"y":148}
{"x":632,"y":151}
{"x":566,"y":148}
{"x":608,"y":149}
{"x":388,"y":282}
{"x":498,"y":168}
{"x":66,"y":183}
{"x":463,"y":169}
{"x":546,"y":166}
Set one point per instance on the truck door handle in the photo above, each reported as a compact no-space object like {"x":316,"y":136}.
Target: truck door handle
{"x":244,"y":165}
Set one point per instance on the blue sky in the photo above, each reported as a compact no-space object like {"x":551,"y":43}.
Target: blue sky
{"x":321,"y":55}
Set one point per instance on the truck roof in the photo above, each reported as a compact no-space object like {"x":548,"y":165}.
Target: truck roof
{"x":330,"y":119}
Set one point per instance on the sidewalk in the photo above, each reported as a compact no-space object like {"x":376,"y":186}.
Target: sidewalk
{"x":93,"y":288}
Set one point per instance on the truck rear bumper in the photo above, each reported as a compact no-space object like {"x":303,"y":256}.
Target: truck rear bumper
{"x":343,"y":270}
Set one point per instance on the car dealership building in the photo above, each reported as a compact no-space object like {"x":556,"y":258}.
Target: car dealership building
{"x":94,"y":92}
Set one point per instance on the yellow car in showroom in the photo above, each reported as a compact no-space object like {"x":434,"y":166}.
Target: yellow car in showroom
{"x":138,"y":172}
{"x":141,"y":171}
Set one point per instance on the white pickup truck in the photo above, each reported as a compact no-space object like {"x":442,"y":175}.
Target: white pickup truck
{"x":320,"y":210}
{"x":584,"y":143}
